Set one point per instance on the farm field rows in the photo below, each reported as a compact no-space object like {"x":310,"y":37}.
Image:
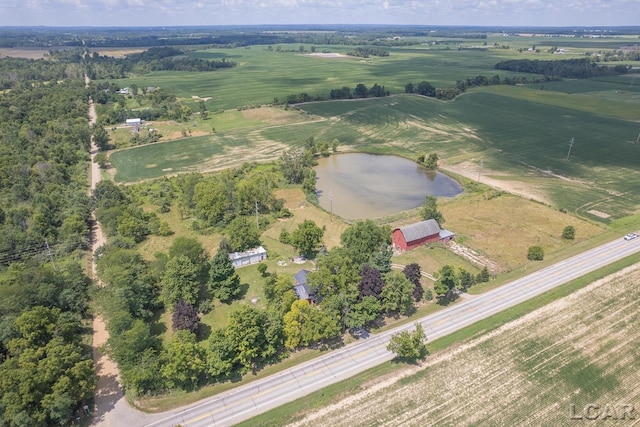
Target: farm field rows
{"x":542,"y":369}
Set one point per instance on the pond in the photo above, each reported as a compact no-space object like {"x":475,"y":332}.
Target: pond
{"x":367,"y":186}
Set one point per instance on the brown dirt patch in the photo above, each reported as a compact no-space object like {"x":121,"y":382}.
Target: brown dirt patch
{"x":24,"y":53}
{"x":270,"y":115}
{"x":486,"y":176}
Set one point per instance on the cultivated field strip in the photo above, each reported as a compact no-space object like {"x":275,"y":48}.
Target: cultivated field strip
{"x":542,"y":369}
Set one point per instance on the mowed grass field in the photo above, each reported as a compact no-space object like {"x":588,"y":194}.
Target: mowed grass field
{"x":542,"y":369}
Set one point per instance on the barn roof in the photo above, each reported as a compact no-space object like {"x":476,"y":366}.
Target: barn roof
{"x":420,"y":230}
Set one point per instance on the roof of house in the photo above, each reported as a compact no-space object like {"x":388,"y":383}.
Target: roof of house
{"x":420,"y":230}
{"x":301,"y":277}
{"x":302,"y":291}
{"x":250,"y":252}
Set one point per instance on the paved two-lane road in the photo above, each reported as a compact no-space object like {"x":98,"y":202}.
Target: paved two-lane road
{"x":259,"y":396}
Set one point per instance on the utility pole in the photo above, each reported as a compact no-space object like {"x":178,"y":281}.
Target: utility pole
{"x":49,"y":253}
{"x":638,"y":138}
{"x":480,"y":169}
{"x":257,"y":223}
{"x":570,"y":145}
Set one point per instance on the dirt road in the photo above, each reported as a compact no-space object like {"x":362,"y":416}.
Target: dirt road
{"x":109,"y":391}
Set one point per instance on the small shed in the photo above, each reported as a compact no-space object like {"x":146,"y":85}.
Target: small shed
{"x":423,"y":232}
{"x":133,"y":122}
{"x":300,"y":286}
{"x":252,"y":256}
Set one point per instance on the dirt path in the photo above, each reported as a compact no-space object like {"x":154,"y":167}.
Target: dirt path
{"x":471,"y":171}
{"x":109,"y":390}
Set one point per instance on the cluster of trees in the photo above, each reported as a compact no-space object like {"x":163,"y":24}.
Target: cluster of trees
{"x":46,"y":368}
{"x":44,"y":144}
{"x":345,"y":92}
{"x":580,"y":68}
{"x":425,"y":88}
{"x":360,"y":91}
{"x":297,"y":164}
{"x":152,"y":59}
{"x":121,"y":217}
{"x":365,"y":52}
{"x":352,"y":287}
{"x":19,"y":72}
{"x":428,"y":161}
{"x":183,"y":281}
{"x":450,"y":282}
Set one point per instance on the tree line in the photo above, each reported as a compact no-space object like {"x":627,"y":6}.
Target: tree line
{"x":46,"y":367}
{"x":153,"y":59}
{"x":579,"y":68}
{"x":345,"y":92}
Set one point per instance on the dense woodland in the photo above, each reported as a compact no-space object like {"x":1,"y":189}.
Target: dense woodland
{"x":46,"y":367}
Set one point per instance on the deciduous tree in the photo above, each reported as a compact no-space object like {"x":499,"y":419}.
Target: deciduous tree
{"x":224,"y":282}
{"x":180,"y":281}
{"x":397,"y":294}
{"x":363,"y":238}
{"x":185,"y":317}
{"x":409,"y":346}
{"x":307,"y":237}
{"x":430,"y":210}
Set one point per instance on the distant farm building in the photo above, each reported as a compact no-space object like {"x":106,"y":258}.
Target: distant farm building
{"x":134,"y":123}
{"x":423,"y":232}
{"x":253,"y":256}
{"x":300,"y":286}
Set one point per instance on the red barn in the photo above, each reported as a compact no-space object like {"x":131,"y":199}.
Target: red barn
{"x":411,"y":236}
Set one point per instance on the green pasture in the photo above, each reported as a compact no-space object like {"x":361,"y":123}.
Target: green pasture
{"x":153,"y":161}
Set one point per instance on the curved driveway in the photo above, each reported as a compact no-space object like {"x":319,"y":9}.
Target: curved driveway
{"x":261,"y":395}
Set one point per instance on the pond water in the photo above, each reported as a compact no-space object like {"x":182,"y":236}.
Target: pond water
{"x":363,"y":186}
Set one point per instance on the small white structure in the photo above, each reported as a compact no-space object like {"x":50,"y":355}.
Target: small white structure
{"x":252,"y":256}
{"x":133,"y":122}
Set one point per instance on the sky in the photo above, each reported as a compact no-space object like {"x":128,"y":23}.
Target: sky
{"x":259,"y":12}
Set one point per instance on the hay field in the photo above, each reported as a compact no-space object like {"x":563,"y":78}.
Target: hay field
{"x":542,"y":369}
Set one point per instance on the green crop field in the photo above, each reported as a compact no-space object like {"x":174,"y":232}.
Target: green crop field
{"x":520,"y":133}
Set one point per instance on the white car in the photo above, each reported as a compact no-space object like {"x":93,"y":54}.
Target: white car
{"x":630,"y":236}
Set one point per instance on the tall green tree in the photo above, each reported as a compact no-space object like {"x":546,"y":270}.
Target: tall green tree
{"x":307,"y":237}
{"x":180,"y":281}
{"x":224,"y":282}
{"x":397,"y":294}
{"x":430,"y":210}
{"x":307,"y":324}
{"x":243,"y":234}
{"x":446,"y":284}
{"x":183,"y":361}
{"x":335,"y":274}
{"x":409,"y":346}
{"x":364,"y":238}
